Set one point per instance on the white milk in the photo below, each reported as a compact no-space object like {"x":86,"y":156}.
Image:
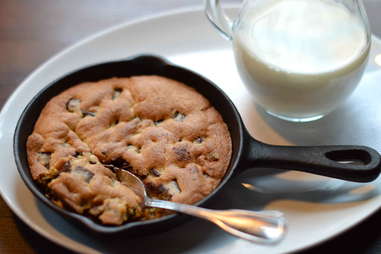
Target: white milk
{"x":300,"y":58}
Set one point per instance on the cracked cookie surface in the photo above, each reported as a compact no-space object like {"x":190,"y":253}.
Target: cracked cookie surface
{"x":159,"y":129}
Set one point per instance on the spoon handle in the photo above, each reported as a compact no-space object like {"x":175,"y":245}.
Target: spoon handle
{"x":266,"y":227}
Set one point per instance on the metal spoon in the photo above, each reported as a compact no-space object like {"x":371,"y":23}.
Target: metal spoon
{"x":265,"y":227}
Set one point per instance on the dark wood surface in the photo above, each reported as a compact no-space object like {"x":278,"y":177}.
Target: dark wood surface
{"x":33,"y":30}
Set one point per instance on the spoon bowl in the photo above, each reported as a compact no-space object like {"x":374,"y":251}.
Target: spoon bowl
{"x":265,"y":227}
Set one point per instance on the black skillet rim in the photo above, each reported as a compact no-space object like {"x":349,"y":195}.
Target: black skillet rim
{"x":32,"y":186}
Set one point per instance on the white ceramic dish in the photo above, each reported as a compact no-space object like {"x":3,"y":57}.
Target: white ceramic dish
{"x":187,"y":39}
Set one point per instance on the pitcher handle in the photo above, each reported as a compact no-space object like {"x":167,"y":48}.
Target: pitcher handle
{"x":218,"y":18}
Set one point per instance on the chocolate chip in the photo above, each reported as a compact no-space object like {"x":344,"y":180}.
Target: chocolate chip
{"x":178,"y":116}
{"x":198,"y":140}
{"x":117,"y":92}
{"x":66,"y":167}
{"x":158,"y":122}
{"x":115,"y":122}
{"x":88,"y":113}
{"x":155,"y":172}
{"x":150,"y":187}
{"x":73,"y":105}
{"x":182,"y":153}
{"x":161,"y":189}
{"x":78,"y":154}
{"x":83,"y":172}
{"x":142,"y":177}
{"x":158,"y":191}
{"x":120,"y":163}
{"x":93,"y":159}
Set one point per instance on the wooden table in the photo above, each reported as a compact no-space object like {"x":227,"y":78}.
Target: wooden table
{"x":33,"y":30}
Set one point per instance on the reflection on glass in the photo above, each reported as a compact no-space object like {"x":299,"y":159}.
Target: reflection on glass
{"x":377,"y":59}
{"x":249,"y":186}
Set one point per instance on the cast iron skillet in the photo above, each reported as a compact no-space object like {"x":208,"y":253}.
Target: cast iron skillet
{"x":331,"y":161}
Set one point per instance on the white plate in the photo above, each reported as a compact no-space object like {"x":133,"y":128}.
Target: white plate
{"x":317,"y":208}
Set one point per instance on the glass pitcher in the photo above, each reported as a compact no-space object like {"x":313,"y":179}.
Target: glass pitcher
{"x":299,"y":59}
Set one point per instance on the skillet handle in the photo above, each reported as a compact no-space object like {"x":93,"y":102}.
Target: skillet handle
{"x":352,"y":163}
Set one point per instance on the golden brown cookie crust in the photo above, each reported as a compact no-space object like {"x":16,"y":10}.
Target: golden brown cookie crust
{"x":160,"y":129}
